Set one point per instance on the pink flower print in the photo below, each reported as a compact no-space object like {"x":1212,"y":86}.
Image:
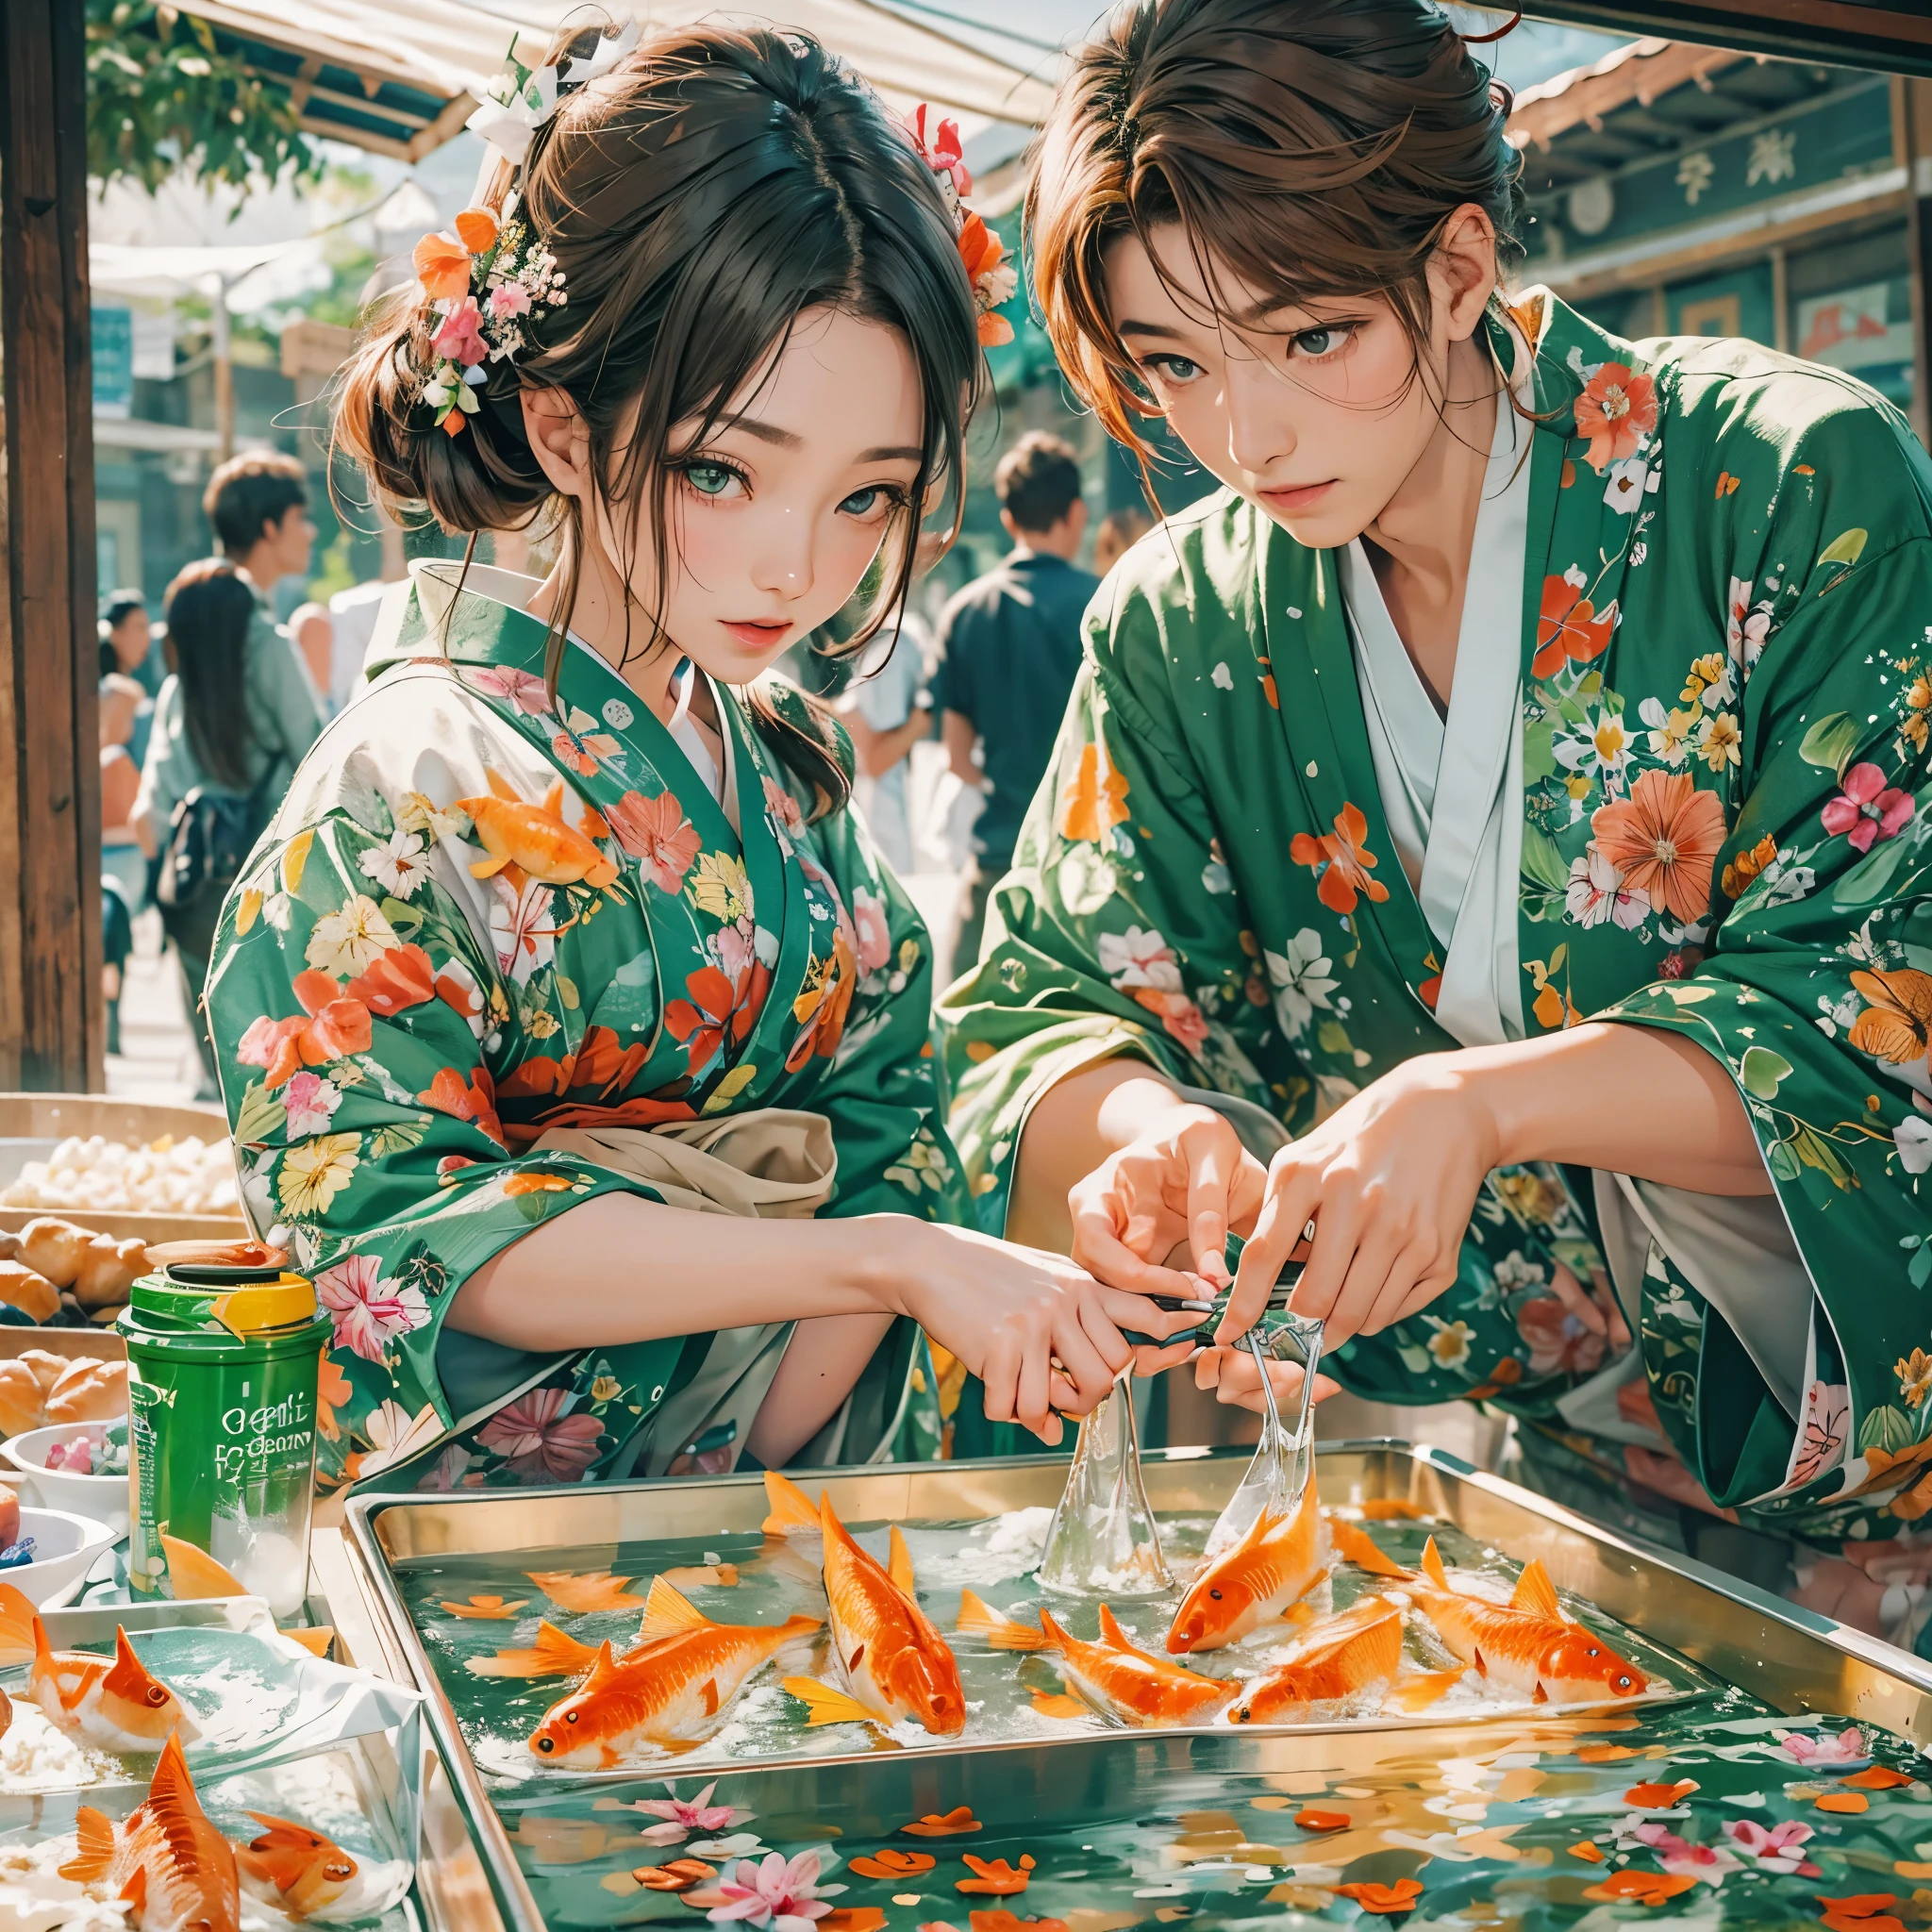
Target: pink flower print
{"x":1178,"y":1014}
{"x":875,"y":946}
{"x":460,"y":338}
{"x":1557,"y":1340}
{"x":1777,"y":1850}
{"x":522,"y":927}
{"x":1867,"y":810}
{"x":1676,"y":1855}
{"x":524,"y":693}
{"x":784,"y":810}
{"x":312,"y":1101}
{"x":656,"y":834}
{"x":1137,"y":959}
{"x":684,"y":1816}
{"x":1848,"y":1747}
{"x":785,"y":1897}
{"x":367,"y":1311}
{"x":508,"y":299}
{"x":537,"y":1440}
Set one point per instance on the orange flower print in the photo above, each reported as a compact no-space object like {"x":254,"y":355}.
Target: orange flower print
{"x":1399,"y":1897}
{"x":995,"y":1876}
{"x":443,"y":266}
{"x":1863,"y":1912}
{"x":1641,"y":1887}
{"x":717,"y":1010}
{"x":1341,"y":862}
{"x":400,"y":977}
{"x":1664,"y":838}
{"x":1569,"y":627}
{"x":332,"y":1392}
{"x":581,"y":753}
{"x":1615,"y":412}
{"x":823,"y":1008}
{"x":656,"y":834}
{"x":1095,"y":799}
{"x":982,"y":251}
{"x":330,"y":1026}
{"x":473,"y":1100}
{"x":1896,"y":1026}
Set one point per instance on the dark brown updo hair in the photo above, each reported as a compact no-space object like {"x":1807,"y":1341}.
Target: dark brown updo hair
{"x":1314,"y":147}
{"x":710,"y":188}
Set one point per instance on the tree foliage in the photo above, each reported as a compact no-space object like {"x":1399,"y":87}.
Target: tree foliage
{"x":163,"y":96}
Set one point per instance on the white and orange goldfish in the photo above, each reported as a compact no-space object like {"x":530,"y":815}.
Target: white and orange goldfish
{"x":1358,"y":1652}
{"x":166,"y":1861}
{"x":667,"y":1691}
{"x":114,"y":1702}
{"x":1527,"y":1644}
{"x":297,"y":1871}
{"x":535,"y":838}
{"x":894,"y":1662}
{"x":1277,"y":1563}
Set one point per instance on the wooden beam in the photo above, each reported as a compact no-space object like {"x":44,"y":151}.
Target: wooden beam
{"x":51,"y":1019}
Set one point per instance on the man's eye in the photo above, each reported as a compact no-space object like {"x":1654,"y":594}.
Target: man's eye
{"x":711,"y":479}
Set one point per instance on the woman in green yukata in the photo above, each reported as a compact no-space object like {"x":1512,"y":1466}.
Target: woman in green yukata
{"x":572,"y":1035}
{"x":1511,"y":786}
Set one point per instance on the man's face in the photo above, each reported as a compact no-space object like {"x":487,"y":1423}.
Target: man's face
{"x":131,"y":638}
{"x":291,"y":542}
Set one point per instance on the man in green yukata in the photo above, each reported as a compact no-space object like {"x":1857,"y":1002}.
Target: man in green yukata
{"x":1491,"y":835}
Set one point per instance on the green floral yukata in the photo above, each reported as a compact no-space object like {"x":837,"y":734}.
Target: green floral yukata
{"x":1726,"y":688}
{"x":400,"y":1016}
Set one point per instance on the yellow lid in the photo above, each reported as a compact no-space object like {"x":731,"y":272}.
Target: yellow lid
{"x":266,"y":1305}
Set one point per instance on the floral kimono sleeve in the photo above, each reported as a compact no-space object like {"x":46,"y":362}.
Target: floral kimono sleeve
{"x":1814,"y":985}
{"x":1120,"y":928}
{"x":361,"y":1025}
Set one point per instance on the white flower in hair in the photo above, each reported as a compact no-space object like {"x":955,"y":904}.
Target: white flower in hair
{"x":521,"y":100}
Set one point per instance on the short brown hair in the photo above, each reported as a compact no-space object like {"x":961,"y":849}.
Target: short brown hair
{"x":1038,"y":480}
{"x":250,"y":491}
{"x":1314,"y":147}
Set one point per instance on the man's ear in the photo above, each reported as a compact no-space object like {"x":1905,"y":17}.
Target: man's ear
{"x":1463,"y":269}
{"x":558,"y":439}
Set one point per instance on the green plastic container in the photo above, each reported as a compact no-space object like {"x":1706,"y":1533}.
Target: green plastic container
{"x":222,"y":1368}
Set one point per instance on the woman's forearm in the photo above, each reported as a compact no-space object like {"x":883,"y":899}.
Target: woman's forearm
{"x":620,"y":1269}
{"x":1628,"y":1099}
{"x":1073,"y":1127}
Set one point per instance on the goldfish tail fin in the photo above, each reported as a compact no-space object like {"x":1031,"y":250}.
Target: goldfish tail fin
{"x":824,"y":1704}
{"x":16,"y":1627}
{"x":1535,"y":1592}
{"x":1420,"y":1691}
{"x":500,"y":785}
{"x":554,"y":1653}
{"x":1354,"y":1544}
{"x":488,"y":867}
{"x":668,"y":1612}
{"x":93,"y":1848}
{"x":1051,"y":1703}
{"x":1432,"y":1565}
{"x":977,"y":1618}
{"x":788,"y":1505}
{"x":900,"y":1567}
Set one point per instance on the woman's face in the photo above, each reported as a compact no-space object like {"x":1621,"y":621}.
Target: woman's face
{"x":774,"y":517}
{"x":1316,"y":412}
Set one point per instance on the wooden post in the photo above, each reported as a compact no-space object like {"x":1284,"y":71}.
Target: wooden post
{"x":51,"y":1017}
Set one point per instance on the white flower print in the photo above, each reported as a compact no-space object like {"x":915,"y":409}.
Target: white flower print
{"x":1135,"y":957}
{"x":522,"y":927}
{"x":399,"y":867}
{"x":1596,"y":892}
{"x":1670,"y":731}
{"x":368,"y":1308}
{"x":1602,"y":750}
{"x":1515,"y":1270}
{"x":1912,"y":1137}
{"x":345,"y":943}
{"x":1085,"y":879}
{"x":1301,"y":982}
{"x":312,"y":1101}
{"x":1784,"y":882}
{"x":1627,"y":481}
{"x":1746,"y":628}
{"x":1638,"y":551}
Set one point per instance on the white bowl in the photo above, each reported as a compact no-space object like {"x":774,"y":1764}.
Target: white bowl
{"x":100,"y":1498}
{"x":65,"y":1547}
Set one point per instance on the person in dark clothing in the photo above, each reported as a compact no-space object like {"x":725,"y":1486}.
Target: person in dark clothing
{"x":1009,"y":647}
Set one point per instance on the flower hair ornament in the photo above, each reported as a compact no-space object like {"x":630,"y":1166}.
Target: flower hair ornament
{"x":487,"y":280}
{"x":994,"y":277}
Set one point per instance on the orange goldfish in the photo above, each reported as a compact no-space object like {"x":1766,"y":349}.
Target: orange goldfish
{"x":167,"y":1860}
{"x":685,"y":1670}
{"x":1122,"y":1682}
{"x":295,"y":1870}
{"x":535,"y":838}
{"x":1360,"y":1650}
{"x":1527,"y":1644}
{"x":1276,"y":1562}
{"x":895,"y":1664}
{"x":115,"y":1702}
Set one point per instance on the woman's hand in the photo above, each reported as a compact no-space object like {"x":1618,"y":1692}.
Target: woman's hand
{"x":1389,"y":1180}
{"x":1235,"y":1379}
{"x":1038,"y":1332}
{"x":1183,"y":1183}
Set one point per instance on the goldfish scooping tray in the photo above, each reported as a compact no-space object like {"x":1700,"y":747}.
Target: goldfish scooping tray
{"x":463,"y":1580}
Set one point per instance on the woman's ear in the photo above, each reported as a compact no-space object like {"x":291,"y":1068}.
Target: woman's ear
{"x":1462,"y":271}
{"x":558,"y":439}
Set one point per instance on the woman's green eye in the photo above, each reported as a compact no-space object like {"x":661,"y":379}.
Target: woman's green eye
{"x":1318,"y":341}
{"x":1178,"y":368}
{"x":709,"y":479}
{"x":862,"y":502}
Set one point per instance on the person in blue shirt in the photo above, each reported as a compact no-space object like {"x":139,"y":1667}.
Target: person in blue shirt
{"x":1009,"y":647}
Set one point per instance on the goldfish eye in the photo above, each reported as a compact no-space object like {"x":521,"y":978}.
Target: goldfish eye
{"x":1215,"y":1594}
{"x":1245,"y":1716}
{"x":1593,"y":1651}
{"x":339,"y":1868}
{"x":546,"y":1745}
{"x":157,"y":1695}
{"x":570,"y":1717}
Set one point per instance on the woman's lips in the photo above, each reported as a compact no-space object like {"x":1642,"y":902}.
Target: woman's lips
{"x":759,"y":637}
{"x":1297,"y":496}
